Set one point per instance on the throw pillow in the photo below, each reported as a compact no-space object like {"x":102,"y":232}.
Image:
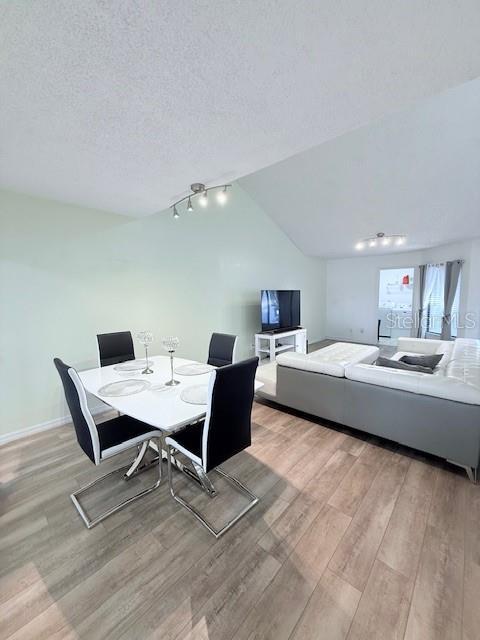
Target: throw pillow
{"x":424,"y":361}
{"x":396,"y":364}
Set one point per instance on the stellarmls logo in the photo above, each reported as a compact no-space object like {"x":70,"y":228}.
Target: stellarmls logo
{"x":467,"y":321}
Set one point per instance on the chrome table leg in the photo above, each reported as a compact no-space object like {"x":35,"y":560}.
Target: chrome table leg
{"x":137,"y":462}
{"x":196,"y":474}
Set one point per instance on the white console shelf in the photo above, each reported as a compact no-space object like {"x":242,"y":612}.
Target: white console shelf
{"x":274,"y":343}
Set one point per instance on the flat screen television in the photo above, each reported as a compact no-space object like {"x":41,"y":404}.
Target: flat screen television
{"x":280,"y":309}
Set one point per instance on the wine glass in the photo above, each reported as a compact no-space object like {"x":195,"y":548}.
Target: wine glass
{"x":146,"y":338}
{"x":170,"y":344}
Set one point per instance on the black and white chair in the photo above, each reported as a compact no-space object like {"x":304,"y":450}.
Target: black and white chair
{"x":221,"y":350}
{"x":225,"y":432}
{"x":102,"y":441}
{"x":114,"y":348}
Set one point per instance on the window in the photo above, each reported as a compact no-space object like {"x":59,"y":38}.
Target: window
{"x":395,"y":290}
{"x":395,"y":302}
{"x":434,"y":292}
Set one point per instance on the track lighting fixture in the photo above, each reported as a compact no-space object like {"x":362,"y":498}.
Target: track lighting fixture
{"x":200,"y":190}
{"x":203,"y":199}
{"x":222,"y":196}
{"x":380,"y":239}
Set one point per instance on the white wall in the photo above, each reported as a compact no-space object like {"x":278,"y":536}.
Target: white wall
{"x":68,"y":273}
{"x":352,"y":288}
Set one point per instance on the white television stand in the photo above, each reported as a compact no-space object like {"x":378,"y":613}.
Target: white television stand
{"x":273,"y":343}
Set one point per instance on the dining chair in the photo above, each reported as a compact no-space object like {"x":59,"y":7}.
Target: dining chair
{"x":225,"y":431}
{"x":221,"y":350}
{"x":105,"y":440}
{"x":114,"y":348}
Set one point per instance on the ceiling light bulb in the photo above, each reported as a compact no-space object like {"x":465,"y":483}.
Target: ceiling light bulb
{"x":400,"y":241}
{"x":204,"y":199}
{"x":222,"y":196}
{"x":359,"y":246}
{"x":189,"y":205}
{"x":175,"y":212}
{"x":372,"y":243}
{"x":386,"y":242}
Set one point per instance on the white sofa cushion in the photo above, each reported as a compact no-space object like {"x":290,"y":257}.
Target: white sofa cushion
{"x":330,"y":360}
{"x":458,"y":378}
{"x":421,"y":345}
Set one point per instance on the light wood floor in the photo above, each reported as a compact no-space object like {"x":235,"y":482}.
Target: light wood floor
{"x":352,"y":539}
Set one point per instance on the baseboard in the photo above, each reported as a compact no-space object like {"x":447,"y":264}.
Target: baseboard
{"x":352,"y":341}
{"x":43,"y":426}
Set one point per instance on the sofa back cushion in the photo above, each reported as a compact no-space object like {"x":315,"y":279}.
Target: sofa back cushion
{"x":421,"y":345}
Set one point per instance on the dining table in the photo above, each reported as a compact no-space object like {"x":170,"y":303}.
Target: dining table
{"x":158,"y":405}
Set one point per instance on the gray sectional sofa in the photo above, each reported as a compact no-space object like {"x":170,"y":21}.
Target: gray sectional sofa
{"x":438,"y":414}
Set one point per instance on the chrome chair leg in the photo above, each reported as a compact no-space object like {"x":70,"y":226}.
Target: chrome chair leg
{"x":189,"y":472}
{"x":205,"y":481}
{"x":89,"y":522}
{"x":231,"y":480}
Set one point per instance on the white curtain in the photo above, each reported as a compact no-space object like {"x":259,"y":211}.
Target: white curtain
{"x":434,"y":282}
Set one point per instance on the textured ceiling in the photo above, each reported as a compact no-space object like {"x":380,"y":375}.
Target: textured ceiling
{"x":120,"y":105}
{"x":415,"y":172}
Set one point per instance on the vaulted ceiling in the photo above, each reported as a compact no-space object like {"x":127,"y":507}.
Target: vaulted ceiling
{"x":121,"y":105}
{"x":415,"y":172}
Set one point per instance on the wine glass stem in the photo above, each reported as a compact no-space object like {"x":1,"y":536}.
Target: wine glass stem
{"x":146,"y":356}
{"x":171,"y":363}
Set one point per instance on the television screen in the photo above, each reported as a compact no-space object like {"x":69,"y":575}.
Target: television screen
{"x":280,"y":309}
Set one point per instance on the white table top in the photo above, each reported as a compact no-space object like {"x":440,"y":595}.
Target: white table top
{"x":162,"y":409}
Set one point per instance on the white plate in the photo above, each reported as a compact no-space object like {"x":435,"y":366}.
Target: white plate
{"x":123,"y":388}
{"x":131,"y":365}
{"x":197,"y":394}
{"x":194,"y":369}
